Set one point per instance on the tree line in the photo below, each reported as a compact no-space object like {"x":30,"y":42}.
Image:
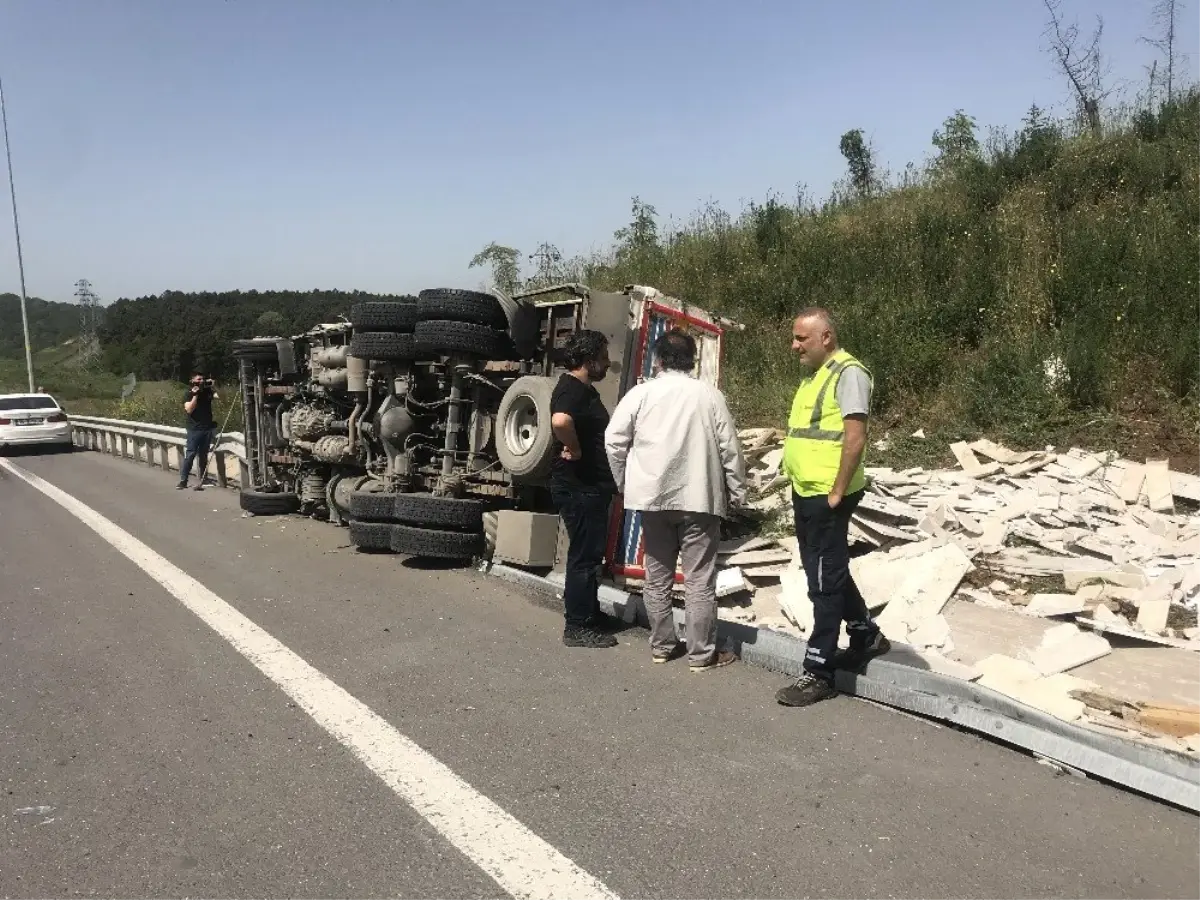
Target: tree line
{"x":172,"y":334}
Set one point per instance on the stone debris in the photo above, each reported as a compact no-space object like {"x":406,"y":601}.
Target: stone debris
{"x":1104,"y":550}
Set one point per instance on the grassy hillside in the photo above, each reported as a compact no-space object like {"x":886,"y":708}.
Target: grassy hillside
{"x":964,"y":284}
{"x":50,"y":323}
{"x":57,"y":370}
{"x":98,"y":393}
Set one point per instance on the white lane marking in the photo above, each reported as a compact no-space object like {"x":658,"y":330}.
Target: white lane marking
{"x":522,"y":863}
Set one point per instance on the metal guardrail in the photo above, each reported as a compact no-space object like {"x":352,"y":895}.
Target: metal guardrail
{"x":159,"y":446}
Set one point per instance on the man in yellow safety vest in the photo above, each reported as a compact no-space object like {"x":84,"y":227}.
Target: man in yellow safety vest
{"x":823,"y":458}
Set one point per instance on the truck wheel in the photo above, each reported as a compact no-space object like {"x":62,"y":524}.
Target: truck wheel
{"x":524,"y":439}
{"x":268,"y":503}
{"x":371,"y":535}
{"x":439,"y":336}
{"x":438,"y":512}
{"x":436,"y":544}
{"x":453,"y":305}
{"x":372,"y":506}
{"x":383,"y":346}
{"x":256,"y":351}
{"x":393,"y":315}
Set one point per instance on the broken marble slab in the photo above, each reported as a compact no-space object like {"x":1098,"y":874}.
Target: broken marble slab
{"x":970,"y":463}
{"x":759,"y":557}
{"x":1048,"y":605}
{"x":933,"y":633}
{"x":924,"y":590}
{"x":1124,"y":576}
{"x":731,"y":581}
{"x":1025,"y":683}
{"x":1065,"y":647}
{"x":1158,"y":486}
{"x":1120,"y":628}
{"x":737,"y":545}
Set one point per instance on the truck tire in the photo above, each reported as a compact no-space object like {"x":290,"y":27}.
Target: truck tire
{"x":428,"y":511}
{"x":256,"y":351}
{"x":524,"y":438}
{"x":372,"y":506}
{"x":371,"y":535}
{"x":384,"y":346}
{"x":439,"y":336}
{"x":376,"y":315}
{"x":268,"y":503}
{"x":453,"y":305}
{"x":436,"y":544}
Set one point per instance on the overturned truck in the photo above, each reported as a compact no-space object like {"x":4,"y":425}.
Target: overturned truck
{"x":425,"y":426}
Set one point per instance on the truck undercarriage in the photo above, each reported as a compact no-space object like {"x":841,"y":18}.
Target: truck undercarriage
{"x":411,"y":421}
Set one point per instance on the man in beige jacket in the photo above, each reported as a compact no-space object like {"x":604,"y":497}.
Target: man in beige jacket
{"x":675,"y":455}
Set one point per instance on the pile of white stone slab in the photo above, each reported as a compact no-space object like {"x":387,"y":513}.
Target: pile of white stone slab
{"x":1104,"y":551}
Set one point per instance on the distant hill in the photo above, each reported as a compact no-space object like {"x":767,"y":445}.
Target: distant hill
{"x":50,"y":324}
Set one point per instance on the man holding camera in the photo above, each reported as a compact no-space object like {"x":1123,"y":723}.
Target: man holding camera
{"x":197,"y":403}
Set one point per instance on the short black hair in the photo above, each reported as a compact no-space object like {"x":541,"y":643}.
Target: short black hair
{"x":583,"y":347}
{"x":676,"y":351}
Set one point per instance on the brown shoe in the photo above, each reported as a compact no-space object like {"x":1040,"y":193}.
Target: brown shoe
{"x":719,"y":659}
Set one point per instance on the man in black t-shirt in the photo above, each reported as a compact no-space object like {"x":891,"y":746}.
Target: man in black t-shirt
{"x":581,"y":484}
{"x":197,"y":404}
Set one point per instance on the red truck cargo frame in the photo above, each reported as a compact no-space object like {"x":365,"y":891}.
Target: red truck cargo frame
{"x":626,"y":549}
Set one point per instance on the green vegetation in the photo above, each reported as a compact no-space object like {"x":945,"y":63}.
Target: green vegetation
{"x":56,"y":369}
{"x":50,"y":324}
{"x":159,"y":341}
{"x":1041,"y":288}
{"x":168,"y":336}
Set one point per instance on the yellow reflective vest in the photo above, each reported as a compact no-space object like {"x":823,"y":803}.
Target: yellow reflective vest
{"x":812,"y":452}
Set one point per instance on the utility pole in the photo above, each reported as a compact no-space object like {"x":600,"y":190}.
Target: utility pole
{"x":17,"y":230}
{"x":89,"y":305}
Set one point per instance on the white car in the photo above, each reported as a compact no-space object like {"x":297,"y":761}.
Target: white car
{"x":32,"y":419}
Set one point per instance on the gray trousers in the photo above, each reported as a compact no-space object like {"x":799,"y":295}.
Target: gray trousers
{"x":693,"y":538}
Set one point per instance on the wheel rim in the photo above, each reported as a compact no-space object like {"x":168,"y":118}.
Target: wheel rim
{"x":522,"y":426}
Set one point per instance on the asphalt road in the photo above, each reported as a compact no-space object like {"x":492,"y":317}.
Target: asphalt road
{"x":142,"y":755}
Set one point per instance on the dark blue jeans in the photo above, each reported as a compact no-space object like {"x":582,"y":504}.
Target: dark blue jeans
{"x":823,"y":535}
{"x":584,"y":513}
{"x":199,"y":440}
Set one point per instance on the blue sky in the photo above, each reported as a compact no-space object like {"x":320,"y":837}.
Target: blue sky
{"x":378,"y":144}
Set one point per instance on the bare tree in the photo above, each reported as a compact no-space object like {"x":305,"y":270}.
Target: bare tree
{"x":1080,"y":62}
{"x":1165,"y":15}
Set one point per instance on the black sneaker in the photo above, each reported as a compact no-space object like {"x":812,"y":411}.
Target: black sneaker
{"x":587,"y":637}
{"x":603,"y":622}
{"x":807,"y":690}
{"x":857,"y":657}
{"x":181,"y":486}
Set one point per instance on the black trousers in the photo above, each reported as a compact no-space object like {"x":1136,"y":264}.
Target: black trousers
{"x":823,"y":535}
{"x":584,"y":513}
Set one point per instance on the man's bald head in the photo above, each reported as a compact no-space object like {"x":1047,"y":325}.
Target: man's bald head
{"x":814,"y":336}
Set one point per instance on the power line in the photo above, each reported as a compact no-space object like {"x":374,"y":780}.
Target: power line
{"x":17,"y":229}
